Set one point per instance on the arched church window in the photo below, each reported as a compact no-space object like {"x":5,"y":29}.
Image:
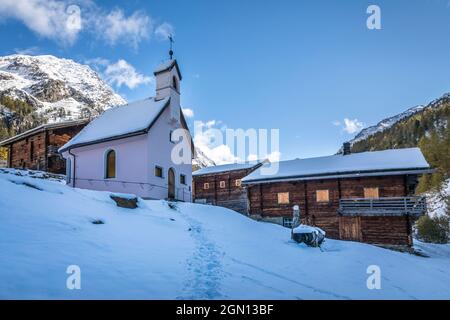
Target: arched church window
{"x":110,"y":164}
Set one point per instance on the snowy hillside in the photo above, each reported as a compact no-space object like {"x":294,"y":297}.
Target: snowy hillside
{"x":191,"y":251}
{"x":389,"y":122}
{"x":58,"y":89}
{"x":436,"y":200}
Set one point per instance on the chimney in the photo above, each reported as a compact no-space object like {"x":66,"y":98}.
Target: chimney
{"x":346,"y":148}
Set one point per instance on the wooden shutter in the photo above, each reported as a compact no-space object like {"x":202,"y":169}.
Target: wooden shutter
{"x":371,"y":193}
{"x":283,"y":198}
{"x":322,"y":196}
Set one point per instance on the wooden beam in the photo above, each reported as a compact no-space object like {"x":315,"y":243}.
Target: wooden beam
{"x":215,"y":190}
{"x":339,"y":188}
{"x":405,"y":182}
{"x":305,"y":184}
{"x":45,"y":150}
{"x":261,"y":199}
{"x":10,"y":156}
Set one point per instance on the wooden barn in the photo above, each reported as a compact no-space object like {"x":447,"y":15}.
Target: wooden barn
{"x":37,"y":149}
{"x":366,"y":197}
{"x":221,"y":185}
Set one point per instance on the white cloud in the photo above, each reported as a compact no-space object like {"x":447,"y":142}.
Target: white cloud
{"x":209,"y":137}
{"x":211,"y":123}
{"x":210,"y":141}
{"x":97,"y":62}
{"x":164,"y":30}
{"x":115,"y":27}
{"x":123,"y":73}
{"x":188,"y":113}
{"x":221,"y":154}
{"x":350,"y":126}
{"x":119,"y":73}
{"x":64,"y":20}
{"x":56,"y":20}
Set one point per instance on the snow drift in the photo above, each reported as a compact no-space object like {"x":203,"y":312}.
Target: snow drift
{"x":184,"y":251}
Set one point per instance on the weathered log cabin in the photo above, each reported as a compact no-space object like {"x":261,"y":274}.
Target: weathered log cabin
{"x":37,"y":149}
{"x":366,"y":197}
{"x":221,"y":185}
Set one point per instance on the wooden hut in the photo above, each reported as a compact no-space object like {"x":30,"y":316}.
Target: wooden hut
{"x":221,"y":185}
{"x":37,"y":149}
{"x":367,"y":197}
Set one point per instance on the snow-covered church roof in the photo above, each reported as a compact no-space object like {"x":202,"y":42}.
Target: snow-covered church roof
{"x":119,"y":122}
{"x":387,"y":162}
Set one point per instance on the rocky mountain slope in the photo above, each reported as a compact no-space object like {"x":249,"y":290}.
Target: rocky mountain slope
{"x":41,"y":89}
{"x":201,"y":160}
{"x":386,"y":123}
{"x":406,"y":128}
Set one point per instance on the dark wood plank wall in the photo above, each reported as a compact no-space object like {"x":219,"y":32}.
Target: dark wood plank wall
{"x":33,"y":152}
{"x":231,"y":196}
{"x":386,"y":230}
{"x":29,"y":153}
{"x":56,"y":139}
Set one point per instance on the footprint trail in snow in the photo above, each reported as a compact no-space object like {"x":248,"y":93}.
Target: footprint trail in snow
{"x":204,"y":266}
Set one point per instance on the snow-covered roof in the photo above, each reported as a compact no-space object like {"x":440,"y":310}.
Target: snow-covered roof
{"x":394,"y":161}
{"x":226,"y":167}
{"x":43,"y":127}
{"x":168,"y":65}
{"x":133,"y":118}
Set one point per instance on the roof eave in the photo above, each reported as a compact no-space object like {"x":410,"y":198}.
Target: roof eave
{"x":256,"y":166}
{"x":42,"y":128}
{"x":341,"y":175}
{"x":118,"y":137}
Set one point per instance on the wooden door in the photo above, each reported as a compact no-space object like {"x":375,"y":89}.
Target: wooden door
{"x":171,"y":178}
{"x":350,"y":228}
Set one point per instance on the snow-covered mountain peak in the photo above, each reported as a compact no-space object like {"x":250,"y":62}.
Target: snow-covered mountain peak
{"x":389,"y":122}
{"x":57,"y":88}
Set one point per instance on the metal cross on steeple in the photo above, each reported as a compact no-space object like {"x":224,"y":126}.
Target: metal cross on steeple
{"x":171,"y":46}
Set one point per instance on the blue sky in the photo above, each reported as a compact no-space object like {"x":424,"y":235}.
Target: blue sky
{"x":298,"y":66}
